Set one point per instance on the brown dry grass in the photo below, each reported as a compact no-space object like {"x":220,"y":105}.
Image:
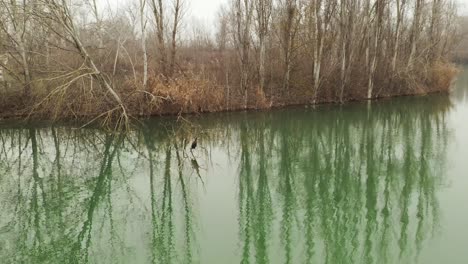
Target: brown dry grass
{"x":82,"y":99}
{"x":187,"y":94}
{"x":442,"y":76}
{"x":194,"y":93}
{"x":261,"y":101}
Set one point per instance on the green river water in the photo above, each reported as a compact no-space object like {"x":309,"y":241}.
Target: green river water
{"x":385,"y":182}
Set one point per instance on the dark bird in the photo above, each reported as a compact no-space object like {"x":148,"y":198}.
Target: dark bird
{"x":194,"y":144}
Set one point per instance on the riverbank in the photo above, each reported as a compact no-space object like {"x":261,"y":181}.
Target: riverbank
{"x":194,"y":95}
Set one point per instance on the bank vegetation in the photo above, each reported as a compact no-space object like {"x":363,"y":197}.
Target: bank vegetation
{"x":85,"y":59}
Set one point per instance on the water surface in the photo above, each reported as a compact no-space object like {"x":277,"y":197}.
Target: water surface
{"x":360,"y":183}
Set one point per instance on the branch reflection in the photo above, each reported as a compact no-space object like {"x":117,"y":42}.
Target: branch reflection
{"x":327,"y":185}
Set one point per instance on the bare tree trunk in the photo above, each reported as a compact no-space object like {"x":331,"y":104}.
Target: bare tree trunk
{"x":434,"y":31}
{"x":25,"y":64}
{"x":343,"y":71}
{"x":47,"y":46}
{"x":158,"y":13}
{"x":415,"y":31}
{"x":143,"y":23}
{"x":62,"y":14}
{"x":243,"y":17}
{"x":373,"y":65}
{"x":318,"y":46}
{"x":99,"y":30}
{"x":116,"y":58}
{"x":228,"y":92}
{"x":287,"y":74}
{"x":263,"y":8}
{"x":288,"y":37}
{"x":262,"y":65}
{"x":19,"y":15}
{"x":380,"y":9}
{"x":401,"y":4}
{"x":344,"y":42}
{"x":177,"y":16}
{"x":3,"y":63}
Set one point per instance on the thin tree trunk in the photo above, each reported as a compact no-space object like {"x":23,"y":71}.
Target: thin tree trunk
{"x":116,"y":58}
{"x":143,"y":22}
{"x":288,"y":41}
{"x":262,"y":64}
{"x":318,"y":48}
{"x":415,"y":32}
{"x":343,"y":70}
{"x":243,"y":19}
{"x":380,"y":8}
{"x":263,"y":8}
{"x":27,"y":74}
{"x":158,"y":13}
{"x":317,"y":69}
{"x":344,"y":40}
{"x":174,"y":36}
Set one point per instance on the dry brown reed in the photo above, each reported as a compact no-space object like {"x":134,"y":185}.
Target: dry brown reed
{"x":75,"y":96}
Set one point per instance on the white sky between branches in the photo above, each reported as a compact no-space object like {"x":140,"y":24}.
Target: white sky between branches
{"x":206,"y":9}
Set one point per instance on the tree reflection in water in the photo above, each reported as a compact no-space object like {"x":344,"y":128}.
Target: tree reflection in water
{"x":331,"y":185}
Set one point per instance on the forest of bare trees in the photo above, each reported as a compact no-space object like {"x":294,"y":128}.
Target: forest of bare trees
{"x":82,"y":58}
{"x":461,"y":49}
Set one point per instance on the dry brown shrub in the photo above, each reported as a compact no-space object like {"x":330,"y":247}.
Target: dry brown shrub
{"x":441,"y":76}
{"x":188,"y":93}
{"x":261,"y":102}
{"x":74,"y":102}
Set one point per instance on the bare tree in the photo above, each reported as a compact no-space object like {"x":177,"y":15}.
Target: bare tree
{"x":222,"y":29}
{"x":243,"y":13}
{"x":415,"y":31}
{"x":158,"y":12}
{"x":319,"y":24}
{"x":400,"y":10}
{"x":93,"y":6}
{"x":263,"y":10}
{"x":379,"y":6}
{"x":178,"y":14}
{"x":3,"y":63}
{"x":58,"y":11}
{"x":288,"y":33}
{"x":16,"y":26}
{"x":434,"y":29}
{"x":143,"y":24}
